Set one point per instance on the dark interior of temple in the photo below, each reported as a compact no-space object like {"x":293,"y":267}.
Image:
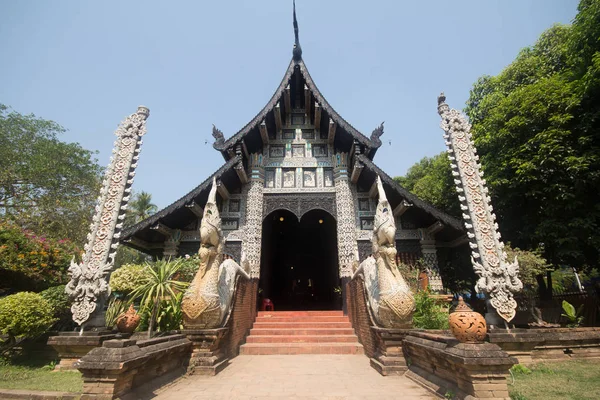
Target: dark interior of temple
{"x":299,"y":268}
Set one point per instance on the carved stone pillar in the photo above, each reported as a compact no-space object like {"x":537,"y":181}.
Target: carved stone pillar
{"x":346,"y":227}
{"x":171,"y":248}
{"x":254,"y":215}
{"x":498,"y":277}
{"x":429,"y":253}
{"x":88,"y":286}
{"x":346,"y":224}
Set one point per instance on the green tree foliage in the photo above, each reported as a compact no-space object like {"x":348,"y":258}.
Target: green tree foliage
{"x":429,"y":314}
{"x":46,"y":185}
{"x":431,"y":180}
{"x":531,"y":264}
{"x":23,"y":315}
{"x":31,"y":262}
{"x":536,"y":127}
{"x":61,"y":305}
{"x":128,"y":277}
{"x":140,"y":208}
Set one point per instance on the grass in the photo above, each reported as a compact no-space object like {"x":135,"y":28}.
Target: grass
{"x":577,"y":380}
{"x":32,"y":374}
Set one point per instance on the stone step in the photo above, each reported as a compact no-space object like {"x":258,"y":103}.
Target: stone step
{"x":292,"y":325}
{"x":314,"y":318}
{"x":302,"y":339}
{"x":300,"y":348}
{"x":330,"y":313}
{"x":302,"y":331}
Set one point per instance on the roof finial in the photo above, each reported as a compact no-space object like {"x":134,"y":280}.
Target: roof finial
{"x":297,"y":52}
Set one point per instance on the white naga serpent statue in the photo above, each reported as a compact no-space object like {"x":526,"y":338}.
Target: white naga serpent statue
{"x":207,"y":301}
{"x":390,"y":299}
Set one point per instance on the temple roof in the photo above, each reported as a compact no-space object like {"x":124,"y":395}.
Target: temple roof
{"x":177,"y":210}
{"x":296,"y":69}
{"x":412,"y":198}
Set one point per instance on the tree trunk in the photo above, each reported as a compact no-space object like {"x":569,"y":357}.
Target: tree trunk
{"x":542,"y":289}
{"x":549,"y":279}
{"x":153,"y":317}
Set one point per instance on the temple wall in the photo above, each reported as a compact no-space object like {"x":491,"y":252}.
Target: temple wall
{"x":359,"y":316}
{"x":243,"y":315}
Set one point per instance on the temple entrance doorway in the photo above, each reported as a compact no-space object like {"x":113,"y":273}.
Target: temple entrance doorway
{"x":299,"y":267}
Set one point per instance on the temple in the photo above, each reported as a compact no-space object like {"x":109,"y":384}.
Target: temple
{"x":297,"y":194}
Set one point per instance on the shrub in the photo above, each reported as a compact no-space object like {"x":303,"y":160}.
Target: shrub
{"x":127,"y":278}
{"x":61,"y":304}
{"x":188,"y":269}
{"x":115,"y":308}
{"x":24,"y":315}
{"x":32,"y":262}
{"x":429,"y":314}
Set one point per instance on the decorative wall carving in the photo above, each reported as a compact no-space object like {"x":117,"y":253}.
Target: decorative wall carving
{"x":88,"y":286}
{"x":254,"y":216}
{"x":497,"y":277}
{"x":299,"y":203}
{"x":346,"y":229}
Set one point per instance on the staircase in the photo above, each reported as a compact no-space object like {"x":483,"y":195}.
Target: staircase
{"x":301,"y":332}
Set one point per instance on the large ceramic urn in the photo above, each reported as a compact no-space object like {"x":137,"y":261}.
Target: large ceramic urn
{"x":467,"y":325}
{"x":128,"y":321}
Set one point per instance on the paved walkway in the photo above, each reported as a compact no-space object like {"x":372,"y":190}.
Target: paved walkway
{"x":333,"y":377}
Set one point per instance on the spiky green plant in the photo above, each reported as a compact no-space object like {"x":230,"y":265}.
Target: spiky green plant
{"x":160,"y":287}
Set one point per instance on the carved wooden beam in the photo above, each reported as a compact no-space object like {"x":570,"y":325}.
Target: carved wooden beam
{"x":317,"y":116}
{"x":288,"y":103}
{"x":277,"y":113}
{"x":373,"y":191}
{"x":137,"y":242}
{"x":162,"y":229}
{"x":264,"y":134}
{"x":458,"y":242}
{"x":332,"y":128}
{"x":435,"y":228}
{"x":195,"y":208}
{"x":402,"y":208}
{"x":245,"y":149}
{"x":222,"y":190}
{"x":307,"y":101}
{"x":231,"y":152}
{"x":241,"y":172}
{"x":356,"y":170}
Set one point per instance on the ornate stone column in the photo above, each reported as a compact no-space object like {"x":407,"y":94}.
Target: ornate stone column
{"x":254,"y":215}
{"x":89,"y":280}
{"x":346,"y":222}
{"x":171,"y":248}
{"x":429,"y":255}
{"x":497,"y":277}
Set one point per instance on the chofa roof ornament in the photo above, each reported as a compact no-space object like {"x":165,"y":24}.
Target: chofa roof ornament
{"x":297,"y":52}
{"x":497,"y":277}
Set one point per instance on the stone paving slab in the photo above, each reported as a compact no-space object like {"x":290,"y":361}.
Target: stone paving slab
{"x":332,"y":377}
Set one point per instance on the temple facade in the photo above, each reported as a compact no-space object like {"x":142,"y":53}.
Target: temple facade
{"x":297,"y":195}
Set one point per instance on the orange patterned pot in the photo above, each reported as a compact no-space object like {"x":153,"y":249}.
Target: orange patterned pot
{"x":467,"y":325}
{"x":128,"y":321}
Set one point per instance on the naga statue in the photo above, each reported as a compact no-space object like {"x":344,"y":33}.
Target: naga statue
{"x":207,"y":301}
{"x":390,"y":299}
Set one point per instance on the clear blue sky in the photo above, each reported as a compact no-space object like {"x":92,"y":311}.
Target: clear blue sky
{"x":88,"y":64}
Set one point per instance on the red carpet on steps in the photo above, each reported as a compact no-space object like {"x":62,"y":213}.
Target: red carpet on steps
{"x":301,"y":332}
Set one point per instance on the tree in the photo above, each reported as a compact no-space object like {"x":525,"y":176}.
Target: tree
{"x":141,"y":207}
{"x":535,"y":126}
{"x":46,"y":185}
{"x":431,"y":180}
